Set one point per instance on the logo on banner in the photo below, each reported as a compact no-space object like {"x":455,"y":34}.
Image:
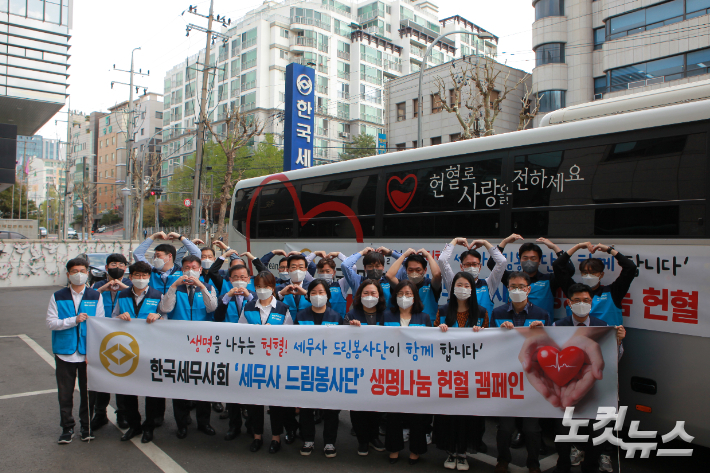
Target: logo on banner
{"x":400,"y":199}
{"x":304,"y":84}
{"x":119,"y":353}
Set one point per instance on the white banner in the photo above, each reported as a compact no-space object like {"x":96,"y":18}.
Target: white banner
{"x":396,"y":369}
{"x":666,"y":296}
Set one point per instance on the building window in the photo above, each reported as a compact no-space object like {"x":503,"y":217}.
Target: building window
{"x":647,"y":18}
{"x":415,"y":105}
{"x":600,"y":85}
{"x":545,"y":8}
{"x":401,"y":111}
{"x":551,"y":100}
{"x":455,"y":137}
{"x":653,"y":72}
{"x":550,"y":53}
{"x":599,"y":36}
{"x":436,"y":140}
{"x":401,"y":146}
{"x":436,"y":105}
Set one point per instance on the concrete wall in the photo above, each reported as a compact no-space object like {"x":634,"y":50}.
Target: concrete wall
{"x":42,"y":263}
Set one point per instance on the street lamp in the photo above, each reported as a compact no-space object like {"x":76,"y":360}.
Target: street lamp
{"x":420,"y":106}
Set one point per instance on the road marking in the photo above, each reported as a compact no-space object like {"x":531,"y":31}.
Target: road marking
{"x":31,"y":393}
{"x":150,"y":450}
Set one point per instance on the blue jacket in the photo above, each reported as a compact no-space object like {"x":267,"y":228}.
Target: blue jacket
{"x":418,"y":320}
{"x":307,"y":317}
{"x":156,"y":282}
{"x":149,"y":304}
{"x":66,"y":342}
{"x":357,"y":314}
{"x":444,"y":310}
{"x":253,"y":316}
{"x":530,"y":313}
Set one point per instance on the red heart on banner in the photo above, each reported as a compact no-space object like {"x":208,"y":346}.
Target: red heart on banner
{"x":401,"y":199}
{"x":304,"y":218}
{"x":560,"y":366}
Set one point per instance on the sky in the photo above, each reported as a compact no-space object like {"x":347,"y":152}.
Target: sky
{"x":104,"y":35}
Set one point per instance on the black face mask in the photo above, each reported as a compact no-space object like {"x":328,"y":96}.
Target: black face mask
{"x":116,"y":273}
{"x":375,"y":274}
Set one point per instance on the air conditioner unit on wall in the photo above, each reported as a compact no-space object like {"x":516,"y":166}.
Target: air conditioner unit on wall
{"x":345,"y":135}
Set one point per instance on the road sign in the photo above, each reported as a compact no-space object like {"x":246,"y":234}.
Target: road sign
{"x":187,"y":202}
{"x":202,"y":222}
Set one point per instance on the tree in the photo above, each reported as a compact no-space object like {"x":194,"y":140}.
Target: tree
{"x":361,"y":146}
{"x":142,"y":183}
{"x":241,"y":129}
{"x":6,"y":201}
{"x":110,"y":218}
{"x":475,"y":100}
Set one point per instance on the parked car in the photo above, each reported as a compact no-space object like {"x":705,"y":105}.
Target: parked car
{"x":101,"y":229}
{"x":12,"y":236}
{"x":42,"y":232}
{"x":71,"y":234}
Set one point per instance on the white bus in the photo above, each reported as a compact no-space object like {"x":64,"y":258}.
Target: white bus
{"x":637,"y":180}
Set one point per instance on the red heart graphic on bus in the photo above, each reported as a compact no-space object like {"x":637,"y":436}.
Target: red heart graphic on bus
{"x":303,"y":218}
{"x":560,"y":366}
{"x":398,"y":198}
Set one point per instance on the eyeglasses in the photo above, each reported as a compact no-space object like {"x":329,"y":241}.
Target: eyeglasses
{"x":516,"y":288}
{"x":405,"y":294}
{"x":577,"y":301}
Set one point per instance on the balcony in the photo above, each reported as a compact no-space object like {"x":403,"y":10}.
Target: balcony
{"x":372,"y":99}
{"x":371,"y":118}
{"x":392,"y":66}
{"x":323,"y":47}
{"x":369,"y":78}
{"x":343,"y":115}
{"x":370,"y":15}
{"x":322,"y":110}
{"x":345,"y":75}
{"x":247,"y":106}
{"x":417,"y":51}
{"x":302,"y":20}
{"x":321,"y":131}
{"x":343,"y":95}
{"x":248,"y":64}
{"x":372,"y":60}
{"x":248,"y":43}
{"x":322,"y":89}
{"x":343,"y":55}
{"x":323,"y":68}
{"x":306,"y":42}
{"x":248,"y":85}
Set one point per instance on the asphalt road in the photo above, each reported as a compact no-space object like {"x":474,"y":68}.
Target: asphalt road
{"x":31,"y":425}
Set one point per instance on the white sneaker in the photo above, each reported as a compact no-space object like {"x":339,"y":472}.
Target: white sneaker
{"x":576,"y":456}
{"x":329,"y":450}
{"x":405,"y":435}
{"x":461,"y":463}
{"x":450,"y":462}
{"x":428,"y":439}
{"x":605,"y":463}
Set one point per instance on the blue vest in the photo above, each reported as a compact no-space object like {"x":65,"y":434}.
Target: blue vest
{"x":149,"y":305}
{"x":429,"y":300}
{"x":483,"y":296}
{"x":156,"y":282}
{"x":227,"y":286}
{"x":603,"y":307}
{"x":337,"y":299}
{"x":277,"y":316}
{"x":540,"y":294}
{"x":444,"y":309}
{"x":357,"y":314}
{"x":418,"y":320}
{"x":290,"y":301}
{"x":385,"y":285}
{"x":66,"y":342}
{"x":234,"y":310}
{"x":504,"y":310}
{"x":106,"y":299}
{"x":330,"y":317}
{"x":183,"y":311}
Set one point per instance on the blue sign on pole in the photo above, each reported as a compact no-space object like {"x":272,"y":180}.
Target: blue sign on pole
{"x":299,"y":126}
{"x":381,"y":143}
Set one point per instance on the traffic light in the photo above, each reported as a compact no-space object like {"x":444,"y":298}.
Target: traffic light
{"x":156,"y":191}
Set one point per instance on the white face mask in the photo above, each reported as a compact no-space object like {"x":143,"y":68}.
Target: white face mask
{"x":369,"y":301}
{"x":140,"y":283}
{"x":462,"y":293}
{"x":590,"y":280}
{"x":158,"y":263}
{"x":319,"y":300}
{"x":240,"y":284}
{"x":405,"y":302}
{"x":325,"y":277}
{"x":518,"y":295}
{"x":78,"y":279}
{"x":581,"y":309}
{"x":297,"y":276}
{"x":283,"y":274}
{"x":207,"y":263}
{"x":473,"y":271}
{"x":263,"y":294}
{"x":415,"y":277}
{"x":193,"y":274}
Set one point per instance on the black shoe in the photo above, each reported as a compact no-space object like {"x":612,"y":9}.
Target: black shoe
{"x":147,"y":436}
{"x":207,"y":429}
{"x":329,"y":451}
{"x":256,"y":445}
{"x":217,"y":407}
{"x":290,"y":437}
{"x":393,"y":460}
{"x":482,"y":448}
{"x":275,"y":446}
{"x":224,"y":415}
{"x":182,"y":432}
{"x":159,"y":421}
{"x":98,"y":422}
{"x":413,"y":461}
{"x":377,"y":445}
{"x":517,"y":440}
{"x":363,"y":450}
{"x":232,"y":434}
{"x":86,"y":435}
{"x":67,"y":435}
{"x":122,"y":422}
{"x":130,"y":433}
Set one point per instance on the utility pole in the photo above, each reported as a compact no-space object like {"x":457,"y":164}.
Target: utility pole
{"x":211,"y":36}
{"x":127,"y":206}
{"x":65,"y":225}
